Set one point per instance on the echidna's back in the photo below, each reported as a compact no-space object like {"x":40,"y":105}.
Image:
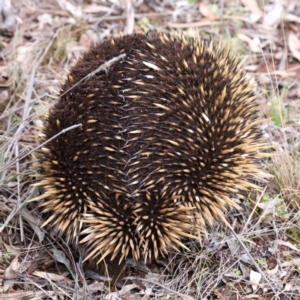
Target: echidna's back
{"x":172,"y":125}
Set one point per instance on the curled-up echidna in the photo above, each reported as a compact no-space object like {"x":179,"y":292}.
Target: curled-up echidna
{"x":169,"y":132}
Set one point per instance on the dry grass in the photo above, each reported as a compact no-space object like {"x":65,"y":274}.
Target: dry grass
{"x":260,"y":259}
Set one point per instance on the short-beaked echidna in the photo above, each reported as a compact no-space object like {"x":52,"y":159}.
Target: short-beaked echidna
{"x":169,"y":132}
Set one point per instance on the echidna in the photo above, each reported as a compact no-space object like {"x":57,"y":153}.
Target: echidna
{"x":169,"y":132}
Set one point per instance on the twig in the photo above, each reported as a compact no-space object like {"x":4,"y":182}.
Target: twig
{"x":129,"y":17}
{"x":253,"y":210}
{"x":16,"y":161}
{"x":104,"y":17}
{"x":19,"y":132}
{"x":103,"y":67}
{"x":41,"y":145}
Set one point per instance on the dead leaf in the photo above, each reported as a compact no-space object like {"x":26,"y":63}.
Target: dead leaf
{"x":61,"y":257}
{"x":207,"y":12}
{"x":13,"y":250}
{"x":254,"y":44}
{"x":273,"y":271}
{"x":293,"y":285}
{"x":38,"y":123}
{"x":11,"y":273}
{"x":291,"y":262}
{"x":291,"y":18}
{"x":51,"y":276}
{"x":22,"y":295}
{"x":287,"y":244}
{"x":96,"y":286}
{"x":73,"y":9}
{"x":93,"y":8}
{"x":256,"y":12}
{"x":34,"y":223}
{"x":274,"y":16}
{"x":22,"y":53}
{"x":294,"y":45}
{"x":118,"y":295}
{"x":148,"y":291}
{"x":255,"y":278}
{"x":268,"y":207}
{"x":8,"y":18}
{"x":44,"y":20}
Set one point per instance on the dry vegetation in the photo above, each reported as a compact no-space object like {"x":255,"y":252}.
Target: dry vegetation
{"x":261,"y":260}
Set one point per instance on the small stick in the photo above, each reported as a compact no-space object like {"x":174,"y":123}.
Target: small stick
{"x":103,"y":67}
{"x":41,"y":145}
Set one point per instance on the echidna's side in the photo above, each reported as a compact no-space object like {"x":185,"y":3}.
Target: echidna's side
{"x":169,"y":132}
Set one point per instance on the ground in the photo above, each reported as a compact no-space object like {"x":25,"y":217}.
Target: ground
{"x":40,"y":39}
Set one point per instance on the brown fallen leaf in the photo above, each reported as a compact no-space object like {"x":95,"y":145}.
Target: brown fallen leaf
{"x":291,"y":18}
{"x":254,"y":44}
{"x":287,"y":244}
{"x":119,"y":294}
{"x":268,"y":207}
{"x":11,"y":273}
{"x":14,"y":250}
{"x":294,"y":45}
{"x":256,"y":12}
{"x":76,"y":11}
{"x":51,"y":276}
{"x":34,"y":222}
{"x":8,"y":25}
{"x":255,"y":278}
{"x":273,"y":271}
{"x":93,"y":8}
{"x":274,"y":15}
{"x":27,"y":295}
{"x":293,"y":285}
{"x":207,"y":12}
{"x":290,"y":263}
